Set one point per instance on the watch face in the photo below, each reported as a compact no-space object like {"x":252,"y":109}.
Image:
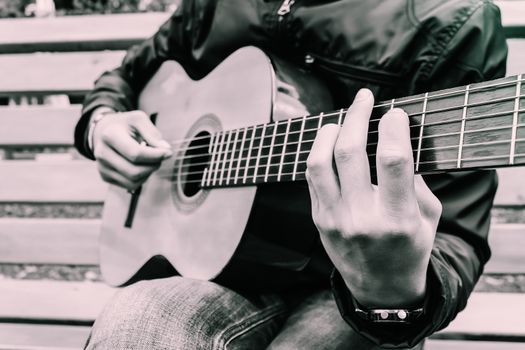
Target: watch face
{"x":386,"y":315}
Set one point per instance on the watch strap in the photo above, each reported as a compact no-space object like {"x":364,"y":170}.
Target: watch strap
{"x":380,"y":315}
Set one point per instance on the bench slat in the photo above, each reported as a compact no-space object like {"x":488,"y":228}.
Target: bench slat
{"x":42,"y":337}
{"x":511,"y":190}
{"x":50,"y":181}
{"x":512,"y":17}
{"x":49,"y":241}
{"x":507,"y":242}
{"x":82,"y":302}
{"x":491,"y":314}
{"x":68,"y":33}
{"x":516,"y":57}
{"x":51,"y":337}
{"x":58,"y":123}
{"x":438,"y":344}
{"x":78,"y":302}
{"x":54,"y":73}
{"x":24,"y":72}
{"x":78,"y":181}
{"x":45,"y":337}
{"x":33,"y":241}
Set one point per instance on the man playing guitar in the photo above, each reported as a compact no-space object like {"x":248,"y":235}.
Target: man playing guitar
{"x":405,"y":254}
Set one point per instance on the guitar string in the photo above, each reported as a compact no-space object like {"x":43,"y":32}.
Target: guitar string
{"x":229,"y":153}
{"x":373,"y":167}
{"x":248,"y":167}
{"x":445,"y":122}
{"x":385,"y":104}
{"x":462,"y":91}
{"x":228,"y":147}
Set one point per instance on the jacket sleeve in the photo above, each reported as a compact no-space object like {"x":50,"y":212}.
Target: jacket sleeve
{"x":476,"y":52}
{"x":119,"y":88}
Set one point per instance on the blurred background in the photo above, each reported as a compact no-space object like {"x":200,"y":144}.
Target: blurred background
{"x":44,"y":8}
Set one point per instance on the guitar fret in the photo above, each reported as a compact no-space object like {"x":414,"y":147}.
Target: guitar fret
{"x":249,"y":155}
{"x":515,"y":120}
{"x":259,"y":154}
{"x":243,"y":155}
{"x":294,"y":174}
{"x":224,"y":158}
{"x":213,"y":158}
{"x":271,"y":151}
{"x":205,"y":173}
{"x":420,"y":141}
{"x":392,"y":103}
{"x":462,"y":131}
{"x":309,"y":132}
{"x":240,"y":156}
{"x":232,"y":156}
{"x":219,"y":151}
{"x":340,"y":119}
{"x":320,"y":123}
{"x":283,"y":153}
{"x":203,"y":180}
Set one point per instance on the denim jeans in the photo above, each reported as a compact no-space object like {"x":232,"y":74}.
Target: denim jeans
{"x":186,"y":314}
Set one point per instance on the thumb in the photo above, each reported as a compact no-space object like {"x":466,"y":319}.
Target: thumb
{"x":150,"y":134}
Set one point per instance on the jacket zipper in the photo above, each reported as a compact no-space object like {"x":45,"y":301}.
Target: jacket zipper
{"x":285,"y":7}
{"x":358,"y":73}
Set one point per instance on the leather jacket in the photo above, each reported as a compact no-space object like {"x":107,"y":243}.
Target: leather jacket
{"x":395,"y":48}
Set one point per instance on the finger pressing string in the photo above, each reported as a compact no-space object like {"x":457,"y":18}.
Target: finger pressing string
{"x":394,"y":163}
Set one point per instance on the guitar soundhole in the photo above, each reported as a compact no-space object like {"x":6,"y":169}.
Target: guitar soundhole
{"x":196,"y":159}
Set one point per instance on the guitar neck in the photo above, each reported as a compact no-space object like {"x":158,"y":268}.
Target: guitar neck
{"x":469,"y":127}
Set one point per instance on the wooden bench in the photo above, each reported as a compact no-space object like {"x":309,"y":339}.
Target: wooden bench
{"x":51,"y":198}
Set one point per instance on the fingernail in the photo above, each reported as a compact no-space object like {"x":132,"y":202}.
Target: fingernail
{"x":362,"y":94}
{"x":164,"y":144}
{"x":398,"y":111}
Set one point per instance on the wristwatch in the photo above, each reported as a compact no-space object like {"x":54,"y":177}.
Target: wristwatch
{"x":387,"y":315}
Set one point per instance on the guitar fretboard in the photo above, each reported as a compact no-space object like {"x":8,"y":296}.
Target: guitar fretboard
{"x":475,"y":126}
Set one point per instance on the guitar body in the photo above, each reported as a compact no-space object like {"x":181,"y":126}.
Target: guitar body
{"x":201,"y":214}
{"x":198,"y":231}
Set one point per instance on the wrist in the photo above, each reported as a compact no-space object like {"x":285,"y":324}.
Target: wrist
{"x":393,"y":290}
{"x":96,"y":116}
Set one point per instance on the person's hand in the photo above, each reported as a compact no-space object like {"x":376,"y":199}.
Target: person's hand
{"x":378,"y":237}
{"x":128,"y":148}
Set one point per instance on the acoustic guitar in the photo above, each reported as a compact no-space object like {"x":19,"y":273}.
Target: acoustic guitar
{"x":241,"y":136}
